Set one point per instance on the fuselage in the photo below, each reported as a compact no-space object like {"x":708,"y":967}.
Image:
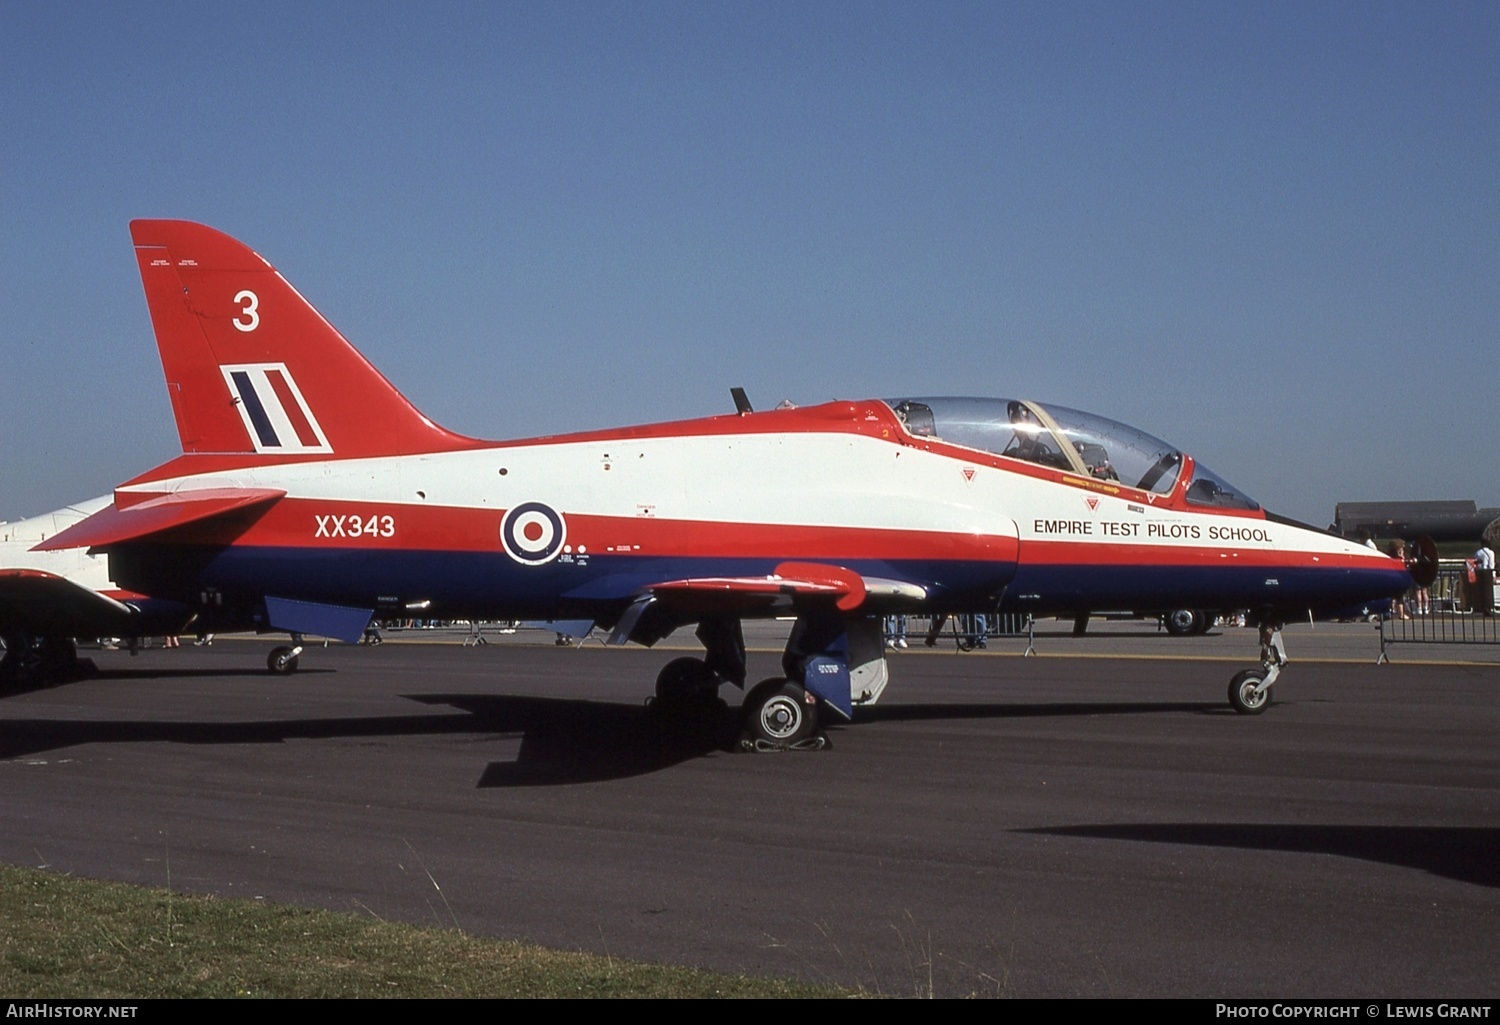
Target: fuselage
{"x":577,"y":525}
{"x":31,"y":605}
{"x":78,"y":565}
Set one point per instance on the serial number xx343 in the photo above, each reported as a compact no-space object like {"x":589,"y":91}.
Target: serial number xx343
{"x":334,"y":525}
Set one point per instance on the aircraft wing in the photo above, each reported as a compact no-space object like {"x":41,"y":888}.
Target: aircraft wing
{"x":791,"y":581}
{"x":37,"y":602}
{"x":740,"y":594}
{"x":114,"y":525}
{"x":665,"y":605}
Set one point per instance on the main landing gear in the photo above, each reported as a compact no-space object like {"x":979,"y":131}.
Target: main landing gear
{"x":1250,"y":690}
{"x":684,"y":682}
{"x":781,"y":715}
{"x":778,"y":714}
{"x":1187,"y":622}
{"x":283,"y":660}
{"x":31,"y":660}
{"x":693,"y":683}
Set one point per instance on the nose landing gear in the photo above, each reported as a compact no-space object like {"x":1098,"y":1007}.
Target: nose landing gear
{"x":283,"y":660}
{"x":1250,"y":690}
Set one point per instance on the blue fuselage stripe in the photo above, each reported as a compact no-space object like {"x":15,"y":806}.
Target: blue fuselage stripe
{"x":493,"y":585}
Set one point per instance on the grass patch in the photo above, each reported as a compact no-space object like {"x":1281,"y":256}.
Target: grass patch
{"x":65,"y":937}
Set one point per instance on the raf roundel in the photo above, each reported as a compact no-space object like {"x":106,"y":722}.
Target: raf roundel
{"x":533,"y":533}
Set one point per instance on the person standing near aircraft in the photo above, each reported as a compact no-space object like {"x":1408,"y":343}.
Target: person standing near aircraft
{"x":1397,"y":550}
{"x":1484,"y":580}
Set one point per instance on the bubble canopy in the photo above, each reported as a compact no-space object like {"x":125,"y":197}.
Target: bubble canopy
{"x":1065,"y":439}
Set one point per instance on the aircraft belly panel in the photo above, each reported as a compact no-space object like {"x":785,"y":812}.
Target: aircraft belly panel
{"x":1084,"y":587}
{"x":491,"y":584}
{"x":480,"y":581}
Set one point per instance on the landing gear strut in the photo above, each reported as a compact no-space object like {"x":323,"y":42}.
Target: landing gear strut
{"x":830,"y":662}
{"x":283,"y":660}
{"x":691,"y":685}
{"x":1250,"y":690}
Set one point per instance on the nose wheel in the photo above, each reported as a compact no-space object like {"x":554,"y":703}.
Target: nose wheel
{"x":1249,"y":693}
{"x":282,"y":661}
{"x":1250,"y":690}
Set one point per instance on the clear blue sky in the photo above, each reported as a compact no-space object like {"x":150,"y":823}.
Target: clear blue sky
{"x":1269,"y":233}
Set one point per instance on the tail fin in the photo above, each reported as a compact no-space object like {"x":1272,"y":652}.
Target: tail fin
{"x":252,"y":367}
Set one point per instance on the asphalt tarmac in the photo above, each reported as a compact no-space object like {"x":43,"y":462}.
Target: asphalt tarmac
{"x":1053,"y":826}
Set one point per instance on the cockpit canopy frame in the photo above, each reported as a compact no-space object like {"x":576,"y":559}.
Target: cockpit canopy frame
{"x":1068,"y":440}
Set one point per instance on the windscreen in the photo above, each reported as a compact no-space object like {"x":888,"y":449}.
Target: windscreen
{"x":1065,"y":439}
{"x":1208,"y":488}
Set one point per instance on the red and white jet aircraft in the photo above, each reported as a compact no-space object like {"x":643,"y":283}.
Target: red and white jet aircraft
{"x":311,"y":494}
{"x":47,"y":598}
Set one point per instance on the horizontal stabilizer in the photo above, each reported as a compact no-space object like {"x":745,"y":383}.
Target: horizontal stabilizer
{"x":37,"y":602}
{"x":113,"y":525}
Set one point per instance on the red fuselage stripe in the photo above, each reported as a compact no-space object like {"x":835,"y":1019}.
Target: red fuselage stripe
{"x":377,"y":526}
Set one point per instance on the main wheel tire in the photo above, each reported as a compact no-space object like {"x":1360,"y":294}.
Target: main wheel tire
{"x":281,"y":661}
{"x":778,"y":711}
{"x":57,"y":658}
{"x":684,"y":680}
{"x":1183,"y":622}
{"x":1243,"y":695}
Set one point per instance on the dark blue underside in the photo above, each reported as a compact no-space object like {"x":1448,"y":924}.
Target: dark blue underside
{"x":494,"y":586}
{"x":1280,"y":589}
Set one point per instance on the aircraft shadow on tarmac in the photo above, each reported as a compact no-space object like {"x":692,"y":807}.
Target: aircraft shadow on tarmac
{"x":22,"y":737}
{"x":14,"y":687}
{"x":197,"y":673}
{"x":563,"y":740}
{"x":1041,"y":710}
{"x":576,"y":741}
{"x":1464,"y":853}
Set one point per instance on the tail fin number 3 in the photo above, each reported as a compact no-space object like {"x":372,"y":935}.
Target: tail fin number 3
{"x":249,"y":318}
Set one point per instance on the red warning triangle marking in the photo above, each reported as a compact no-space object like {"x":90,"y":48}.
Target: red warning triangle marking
{"x":1093,"y":502}
{"x":968,"y":473}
